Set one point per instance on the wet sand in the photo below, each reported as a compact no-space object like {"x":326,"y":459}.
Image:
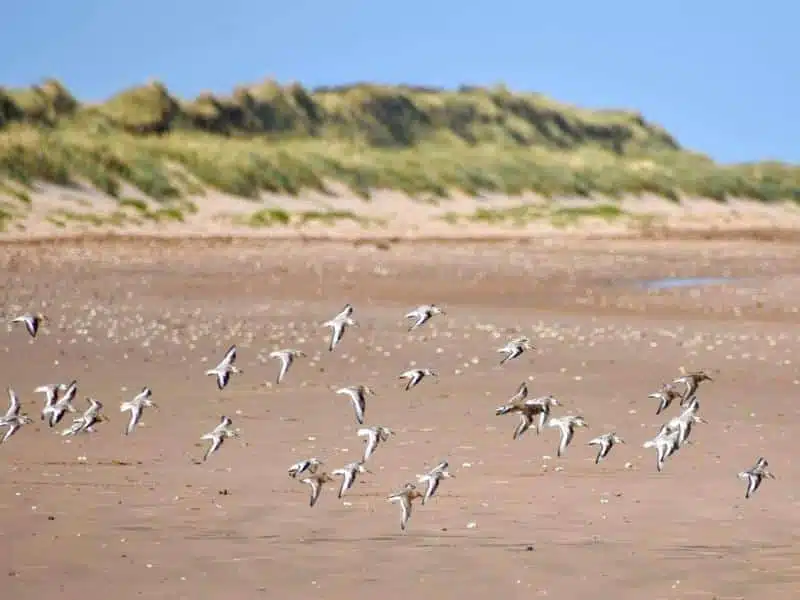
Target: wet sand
{"x":137,"y":517}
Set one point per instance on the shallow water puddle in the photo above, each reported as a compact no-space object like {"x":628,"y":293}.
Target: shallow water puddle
{"x":678,"y":282}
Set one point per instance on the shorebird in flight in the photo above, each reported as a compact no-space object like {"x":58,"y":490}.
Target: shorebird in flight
{"x":606,"y":442}
{"x":55,"y":412}
{"x":358,"y":396}
{"x":13,"y":420}
{"x":338,"y":324}
{"x":527,"y":409}
{"x":375,"y":435}
{"x":13,"y":404}
{"x":414,"y":376}
{"x":665,"y":443}
{"x":692,"y":381}
{"x":432,"y":478}
{"x":225,"y":368}
{"x":566,"y":426}
{"x":422,"y":314}
{"x":754,"y":476}
{"x":316,"y":481}
{"x":32,"y":322}
{"x":136,"y":406}
{"x":348,"y":473}
{"x":309,"y":465}
{"x":684,"y":421}
{"x":86,"y":422}
{"x":50,"y":392}
{"x":218,"y":435}
{"x":665,"y":396}
{"x":405,"y":497}
{"x":514,"y":348}
{"x":286,"y":357}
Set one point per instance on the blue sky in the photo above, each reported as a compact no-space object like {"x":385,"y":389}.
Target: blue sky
{"x":722,"y":76}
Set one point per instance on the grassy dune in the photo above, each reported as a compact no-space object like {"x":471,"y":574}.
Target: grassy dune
{"x":424,"y":142}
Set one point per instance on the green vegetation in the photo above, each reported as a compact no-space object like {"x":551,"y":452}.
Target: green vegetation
{"x":526,"y":213}
{"x":428,"y":143}
{"x":272,"y":217}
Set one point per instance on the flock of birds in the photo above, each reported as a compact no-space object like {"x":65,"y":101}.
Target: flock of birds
{"x":673,"y":435}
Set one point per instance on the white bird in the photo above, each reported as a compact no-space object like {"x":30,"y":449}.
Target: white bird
{"x":358,"y":396}
{"x":13,"y":404}
{"x":755,"y":475}
{"x":13,"y":420}
{"x":432,"y":478}
{"x":665,"y":443}
{"x":606,"y":442}
{"x":32,"y":322}
{"x":566,"y":425}
{"x":309,"y":464}
{"x":527,"y":410}
{"x":348,"y":473}
{"x":86,"y":422}
{"x":414,"y":376}
{"x":514,"y":348}
{"x":286,"y":357}
{"x":422,"y":314}
{"x":405,"y":497}
{"x":665,"y":396}
{"x":684,"y":421}
{"x":55,"y":412}
{"x":225,"y":368}
{"x":375,"y":435}
{"x":692,"y":381}
{"x":136,"y":406}
{"x":316,"y":481}
{"x":338,"y":324}
{"x":50,"y":392}
{"x":218,"y":435}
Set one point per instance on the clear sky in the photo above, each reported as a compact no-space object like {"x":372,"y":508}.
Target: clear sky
{"x":722,"y":75}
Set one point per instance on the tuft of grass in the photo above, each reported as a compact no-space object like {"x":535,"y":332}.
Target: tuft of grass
{"x":161,"y":214}
{"x":607,"y":212}
{"x":526,"y":213}
{"x":425,"y":142}
{"x":268,"y":217}
{"x":6,"y":217}
{"x":278,"y":217}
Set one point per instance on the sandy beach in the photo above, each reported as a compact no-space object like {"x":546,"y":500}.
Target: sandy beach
{"x":138,"y":517}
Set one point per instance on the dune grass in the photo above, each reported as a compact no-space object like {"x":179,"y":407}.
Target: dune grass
{"x":278,"y":217}
{"x":523,"y":214}
{"x":426,"y":143}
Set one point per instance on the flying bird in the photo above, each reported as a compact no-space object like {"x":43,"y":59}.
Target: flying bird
{"x":375,"y":435}
{"x":286,"y":357}
{"x":606,"y":442}
{"x":339,"y":324}
{"x":432,"y":478}
{"x":422,"y":314}
{"x":32,"y":322}
{"x":225,"y":368}
{"x":348,"y":473}
{"x":358,"y":396}
{"x":218,"y":435}
{"x":136,"y":406}
{"x":514,"y":348}
{"x":755,"y":475}
{"x":414,"y":376}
